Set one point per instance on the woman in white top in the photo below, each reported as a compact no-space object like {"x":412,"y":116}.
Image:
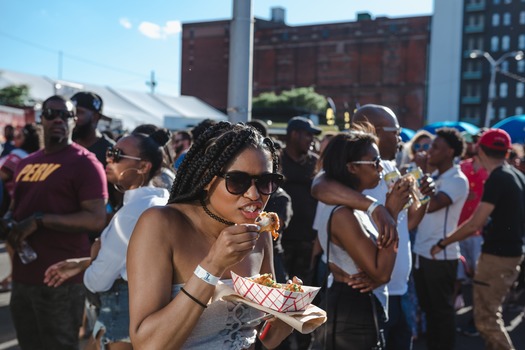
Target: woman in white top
{"x":178,"y":253}
{"x":353,"y":159}
{"x":131,"y":164}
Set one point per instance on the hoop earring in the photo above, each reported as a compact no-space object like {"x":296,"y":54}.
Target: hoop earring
{"x":121,"y":188}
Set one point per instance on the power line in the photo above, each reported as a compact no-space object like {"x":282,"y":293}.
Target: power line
{"x":77,"y":58}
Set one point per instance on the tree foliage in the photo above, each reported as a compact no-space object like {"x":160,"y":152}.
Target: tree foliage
{"x":15,"y":95}
{"x":304,"y":97}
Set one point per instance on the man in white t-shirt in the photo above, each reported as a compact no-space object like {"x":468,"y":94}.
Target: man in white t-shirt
{"x":397,"y":331}
{"x":435,"y":278}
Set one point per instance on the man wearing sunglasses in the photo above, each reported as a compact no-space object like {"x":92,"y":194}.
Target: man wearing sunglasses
{"x":389,"y":216}
{"x":59,"y":198}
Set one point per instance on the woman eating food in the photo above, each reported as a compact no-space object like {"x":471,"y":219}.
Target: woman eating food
{"x":179,"y":253}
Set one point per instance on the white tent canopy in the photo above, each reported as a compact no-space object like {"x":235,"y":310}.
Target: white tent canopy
{"x":131,"y":108}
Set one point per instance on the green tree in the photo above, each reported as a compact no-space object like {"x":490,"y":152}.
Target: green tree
{"x":15,"y":95}
{"x":303,"y":97}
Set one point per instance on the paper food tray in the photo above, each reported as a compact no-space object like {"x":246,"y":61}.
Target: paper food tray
{"x":274,"y":298}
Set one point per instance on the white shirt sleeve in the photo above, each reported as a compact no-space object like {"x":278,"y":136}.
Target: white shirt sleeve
{"x":455,"y":187}
{"x":110,"y":263}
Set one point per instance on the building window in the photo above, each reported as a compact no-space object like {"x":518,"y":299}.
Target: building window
{"x":521,"y":41}
{"x":506,"y":19}
{"x":522,"y":17}
{"x":521,"y":66}
{"x":496,"y":2}
{"x":503,"y":89}
{"x":519,"y":110}
{"x":505,"y":66}
{"x":520,"y":89}
{"x":471,"y":44}
{"x":494,"y":43}
{"x":505,"y":43}
{"x":495,"y":20}
{"x":502,"y":113}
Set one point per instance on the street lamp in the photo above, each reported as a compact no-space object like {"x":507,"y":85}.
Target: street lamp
{"x":494,"y":67}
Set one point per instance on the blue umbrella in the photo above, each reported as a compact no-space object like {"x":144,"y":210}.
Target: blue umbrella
{"x":514,"y":126}
{"x":407,"y":134}
{"x":461,"y":126}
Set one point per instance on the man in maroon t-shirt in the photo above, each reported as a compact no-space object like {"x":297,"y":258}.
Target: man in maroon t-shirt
{"x":59,"y":198}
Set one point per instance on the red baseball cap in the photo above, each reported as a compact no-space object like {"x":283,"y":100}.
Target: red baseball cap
{"x":495,"y":139}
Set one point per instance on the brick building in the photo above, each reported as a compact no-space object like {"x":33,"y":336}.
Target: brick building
{"x":381,"y":60}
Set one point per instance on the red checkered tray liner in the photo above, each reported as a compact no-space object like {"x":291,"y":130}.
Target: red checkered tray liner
{"x":274,"y":298}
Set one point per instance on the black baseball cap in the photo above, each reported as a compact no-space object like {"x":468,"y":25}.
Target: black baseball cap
{"x":302,"y":123}
{"x":89,"y":100}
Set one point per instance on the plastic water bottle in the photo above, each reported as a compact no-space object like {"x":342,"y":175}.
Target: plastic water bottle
{"x":26,"y":253}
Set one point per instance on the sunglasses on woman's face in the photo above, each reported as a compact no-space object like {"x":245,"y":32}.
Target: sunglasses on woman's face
{"x":421,"y":147}
{"x":115,"y":154}
{"x":375,"y":162}
{"x":52,"y":114}
{"x":238,"y":182}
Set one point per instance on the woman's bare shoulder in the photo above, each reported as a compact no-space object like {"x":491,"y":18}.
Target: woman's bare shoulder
{"x":157,"y":221}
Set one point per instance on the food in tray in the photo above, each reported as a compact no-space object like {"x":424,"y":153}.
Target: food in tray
{"x":263,"y":290}
{"x":268,"y":221}
{"x":266,"y":279}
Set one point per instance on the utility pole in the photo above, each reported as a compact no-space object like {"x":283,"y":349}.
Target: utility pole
{"x":152,"y":83}
{"x":241,"y":62}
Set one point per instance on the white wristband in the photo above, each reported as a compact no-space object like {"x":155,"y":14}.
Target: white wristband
{"x":371,"y":208}
{"x":206,"y":276}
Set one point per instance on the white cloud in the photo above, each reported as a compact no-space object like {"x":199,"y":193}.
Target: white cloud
{"x":172,"y":28}
{"x":125,"y":23}
{"x":155,"y":31}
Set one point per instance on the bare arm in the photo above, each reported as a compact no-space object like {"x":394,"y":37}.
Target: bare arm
{"x":438,"y":201}
{"x":90,"y":218}
{"x":334,"y":193}
{"x":155,"y":256}
{"x":348,"y":233}
{"x":60,"y":272}
{"x":475,"y":223}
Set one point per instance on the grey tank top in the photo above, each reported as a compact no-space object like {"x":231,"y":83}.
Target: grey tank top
{"x":222,"y":325}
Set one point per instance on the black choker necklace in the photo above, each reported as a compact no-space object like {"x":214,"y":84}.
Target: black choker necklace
{"x":213,"y":216}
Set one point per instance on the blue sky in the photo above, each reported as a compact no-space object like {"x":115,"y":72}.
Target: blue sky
{"x":118,"y":43}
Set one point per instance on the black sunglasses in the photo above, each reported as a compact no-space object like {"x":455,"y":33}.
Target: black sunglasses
{"x":375,"y":162}
{"x":51,"y":114}
{"x":238,"y":182}
{"x":115,"y":154}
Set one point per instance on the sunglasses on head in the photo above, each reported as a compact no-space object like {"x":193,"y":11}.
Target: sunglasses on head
{"x":421,"y":147}
{"x":375,"y":162}
{"x":238,"y":182}
{"x":52,"y":114}
{"x":115,"y":154}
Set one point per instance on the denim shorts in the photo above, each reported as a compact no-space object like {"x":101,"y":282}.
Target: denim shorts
{"x":114,"y":313}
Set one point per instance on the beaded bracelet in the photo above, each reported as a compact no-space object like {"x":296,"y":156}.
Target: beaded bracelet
{"x":193,"y":298}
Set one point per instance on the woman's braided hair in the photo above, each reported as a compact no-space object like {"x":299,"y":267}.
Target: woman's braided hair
{"x":211,"y":153}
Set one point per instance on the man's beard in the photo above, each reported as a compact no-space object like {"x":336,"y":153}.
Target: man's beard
{"x":81,"y":131}
{"x":179,"y":149}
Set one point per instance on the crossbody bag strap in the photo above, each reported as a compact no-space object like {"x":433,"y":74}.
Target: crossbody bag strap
{"x":379,"y":331}
{"x":325,"y":283}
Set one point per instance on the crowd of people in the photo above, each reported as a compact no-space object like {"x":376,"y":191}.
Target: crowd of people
{"x":125,"y":241}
